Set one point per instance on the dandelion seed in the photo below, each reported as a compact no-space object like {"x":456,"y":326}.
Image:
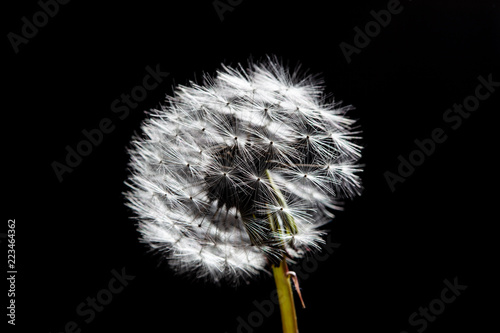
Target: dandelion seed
{"x":241,"y":173}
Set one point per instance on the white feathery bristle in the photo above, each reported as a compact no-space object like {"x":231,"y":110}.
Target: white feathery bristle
{"x":242,"y":171}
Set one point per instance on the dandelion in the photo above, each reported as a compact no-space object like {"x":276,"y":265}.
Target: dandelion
{"x":234,"y":177}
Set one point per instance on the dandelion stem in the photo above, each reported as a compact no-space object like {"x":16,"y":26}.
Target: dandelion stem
{"x":281,"y":276}
{"x":285,"y":297}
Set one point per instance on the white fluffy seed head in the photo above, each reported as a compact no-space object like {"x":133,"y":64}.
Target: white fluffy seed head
{"x":241,"y":172}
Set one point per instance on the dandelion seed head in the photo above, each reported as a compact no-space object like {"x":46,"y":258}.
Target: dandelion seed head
{"x":239,"y":172}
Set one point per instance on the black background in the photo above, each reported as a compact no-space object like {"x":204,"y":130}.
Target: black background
{"x":396,"y":247}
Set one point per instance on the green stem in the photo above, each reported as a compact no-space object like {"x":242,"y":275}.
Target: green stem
{"x":285,"y":297}
{"x":281,"y":276}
